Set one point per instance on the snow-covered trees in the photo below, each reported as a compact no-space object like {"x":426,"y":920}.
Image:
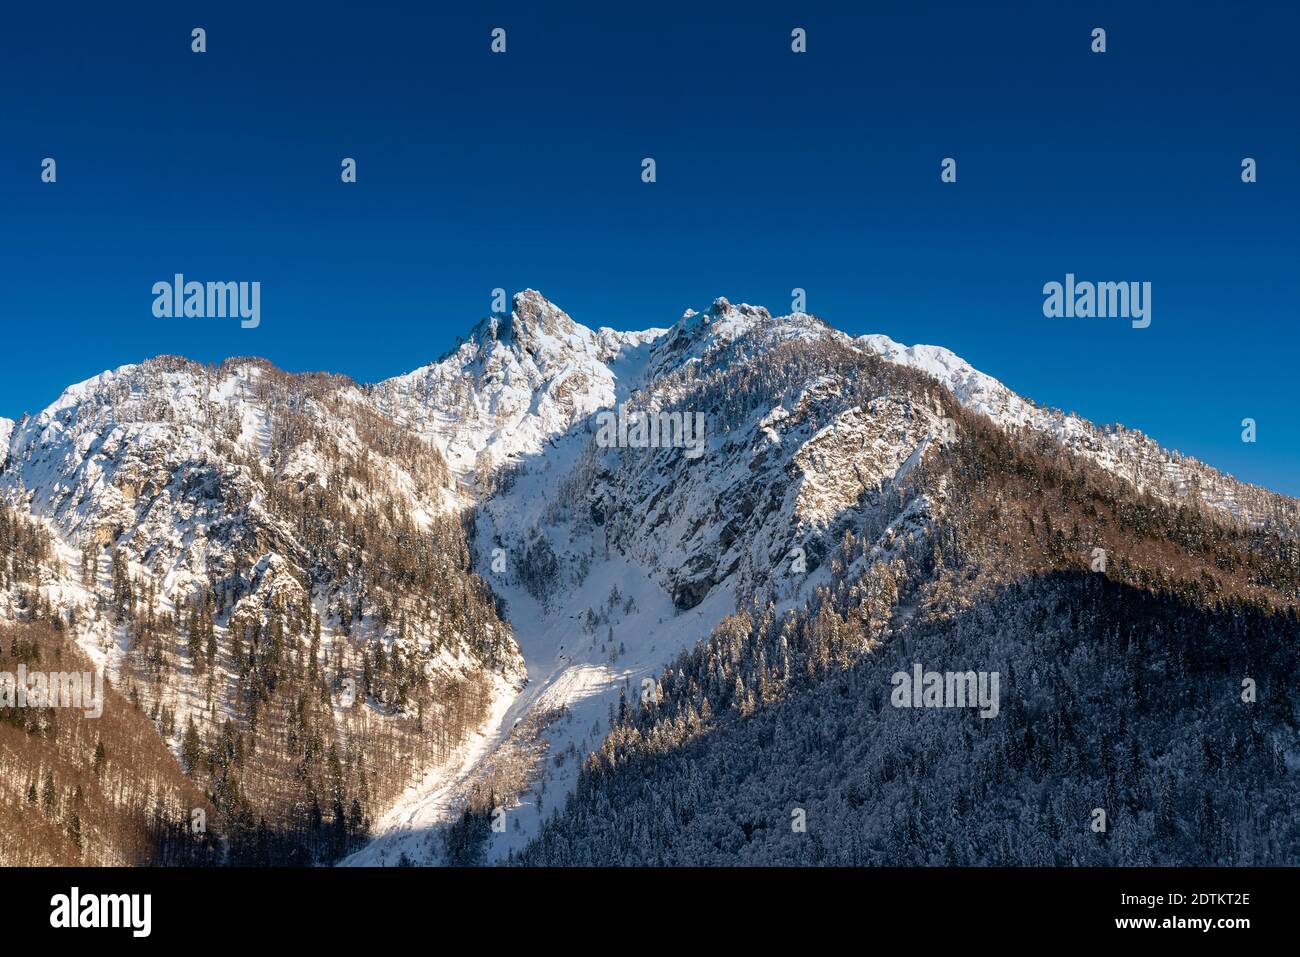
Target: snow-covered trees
{"x":1121,"y":691}
{"x":1111,"y":721}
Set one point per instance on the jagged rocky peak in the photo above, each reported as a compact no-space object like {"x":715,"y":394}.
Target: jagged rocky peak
{"x":532,"y":317}
{"x":534,"y":314}
{"x":519,"y":381}
{"x":696,"y":334}
{"x":740,"y":314}
{"x":722,"y":306}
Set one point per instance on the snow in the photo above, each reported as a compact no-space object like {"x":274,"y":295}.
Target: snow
{"x":1126,"y":453}
{"x":566,"y":670}
{"x":407,"y":825}
{"x":575,"y":673}
{"x":510,"y":410}
{"x":570,"y":670}
{"x":6,"y":433}
{"x":156,"y":459}
{"x":515,"y":383}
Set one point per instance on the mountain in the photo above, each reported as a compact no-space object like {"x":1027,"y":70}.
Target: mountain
{"x":958,"y":527}
{"x":275,"y":574}
{"x":516,"y":381}
{"x":1168,"y":475}
{"x":617,"y":566}
{"x":586,"y":596}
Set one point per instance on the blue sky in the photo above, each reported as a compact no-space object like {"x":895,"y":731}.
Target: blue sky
{"x":775,"y":170}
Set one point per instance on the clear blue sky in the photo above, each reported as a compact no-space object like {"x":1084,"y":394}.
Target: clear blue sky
{"x":775,"y":170}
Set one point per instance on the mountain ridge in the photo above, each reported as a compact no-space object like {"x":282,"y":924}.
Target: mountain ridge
{"x":249,"y":540}
{"x":539,"y":344}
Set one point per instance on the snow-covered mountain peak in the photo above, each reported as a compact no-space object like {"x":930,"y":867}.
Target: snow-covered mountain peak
{"x":723,"y":324}
{"x":534,"y":315}
{"x":534,"y":325}
{"x":77,"y":393}
{"x":518,"y":382}
{"x":522,"y":381}
{"x":721,"y":318}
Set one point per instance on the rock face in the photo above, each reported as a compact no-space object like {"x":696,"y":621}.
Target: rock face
{"x":170,"y":461}
{"x":803,"y":433}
